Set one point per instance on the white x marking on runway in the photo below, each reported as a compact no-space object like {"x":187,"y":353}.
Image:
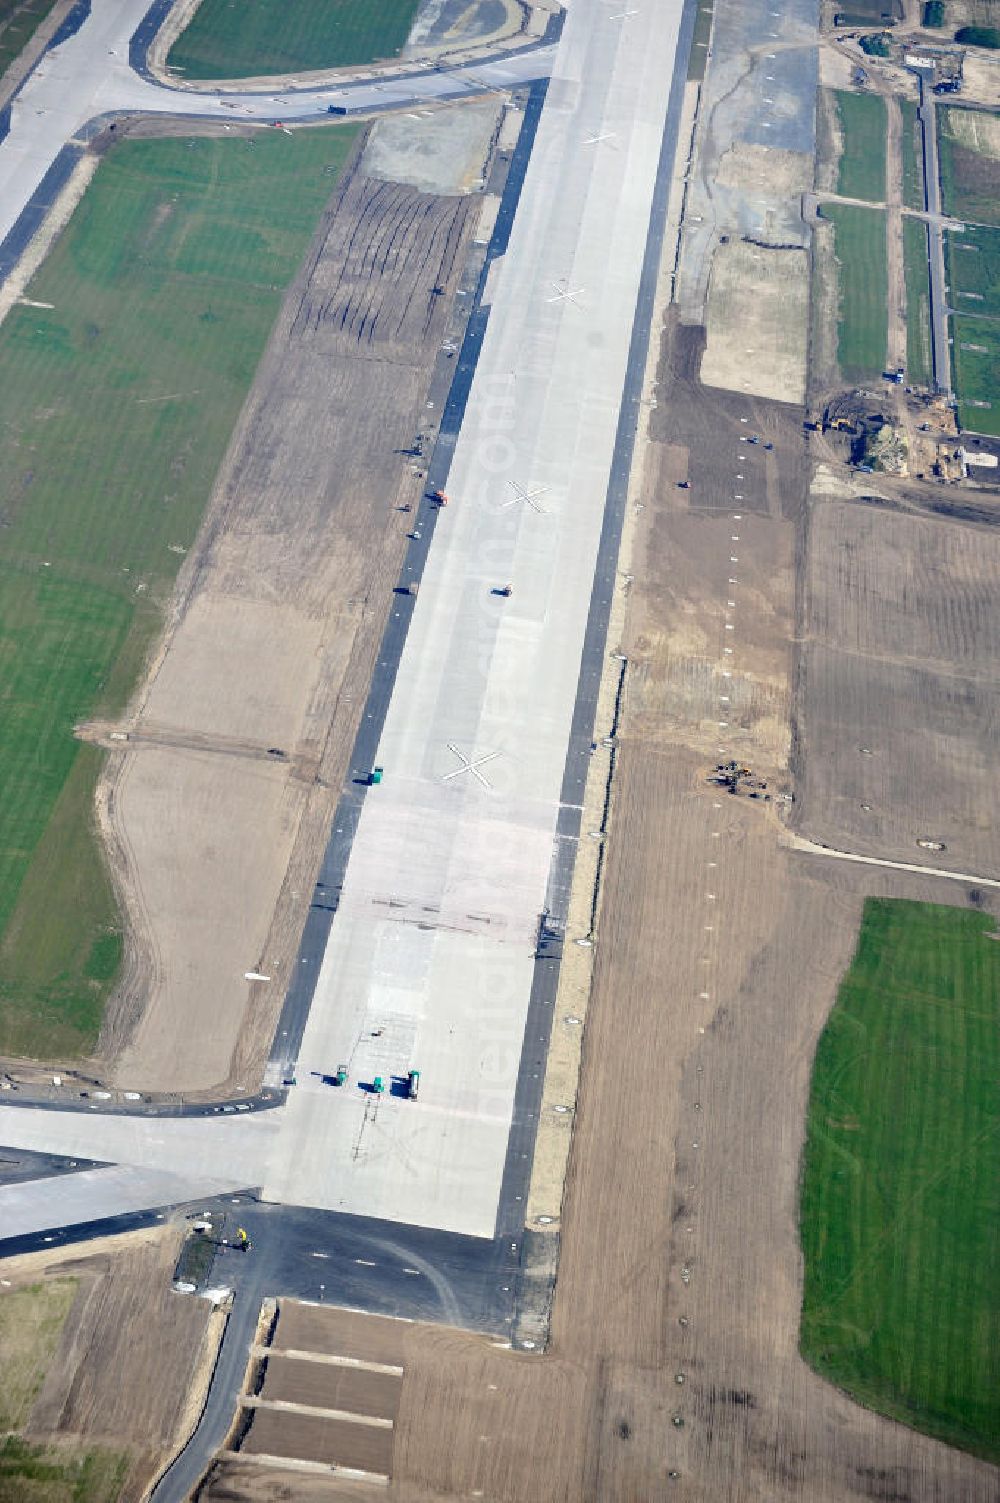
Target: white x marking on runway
{"x":565,"y":294}
{"x":470,"y":764}
{"x":525,"y":493}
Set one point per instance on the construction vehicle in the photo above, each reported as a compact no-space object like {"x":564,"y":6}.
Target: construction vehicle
{"x":413,"y":1084}
{"x":736,"y":778}
{"x":440,"y":497}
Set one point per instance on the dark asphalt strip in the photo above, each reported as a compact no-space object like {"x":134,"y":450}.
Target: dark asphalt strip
{"x":33,"y":215}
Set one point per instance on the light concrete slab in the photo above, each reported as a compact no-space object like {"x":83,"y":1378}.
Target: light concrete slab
{"x":96,"y":1195}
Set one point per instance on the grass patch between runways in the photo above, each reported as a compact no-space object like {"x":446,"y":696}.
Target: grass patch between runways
{"x":862,"y":161}
{"x":862,"y":276}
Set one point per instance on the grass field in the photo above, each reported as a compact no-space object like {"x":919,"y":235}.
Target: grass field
{"x":918,"y":303}
{"x":976,"y":363}
{"x":973,"y":265}
{"x":970,"y":179}
{"x":913,"y":180}
{"x":19,"y":20}
{"x":240,"y":38}
{"x":50,"y":1474}
{"x":901,"y":1176}
{"x":862,"y":162}
{"x":31,"y":1322}
{"x":863,"y":325}
{"x":119,"y":403}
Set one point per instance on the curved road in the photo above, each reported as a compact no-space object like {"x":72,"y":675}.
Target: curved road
{"x":92,"y":76}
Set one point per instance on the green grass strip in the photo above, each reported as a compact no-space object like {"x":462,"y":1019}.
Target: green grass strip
{"x":119,"y":401}
{"x":919,"y":363}
{"x":862,"y":162}
{"x":901,"y":1176}
{"x":975,"y":358}
{"x":973,"y":263}
{"x":863,"y":324}
{"x":912,"y":149}
{"x":242,"y":38}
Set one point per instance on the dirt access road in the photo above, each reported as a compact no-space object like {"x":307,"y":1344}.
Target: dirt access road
{"x":218,"y":810}
{"x":674,"y":1333}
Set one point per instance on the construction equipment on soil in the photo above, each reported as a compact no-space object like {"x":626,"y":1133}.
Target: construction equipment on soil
{"x":737,"y":778}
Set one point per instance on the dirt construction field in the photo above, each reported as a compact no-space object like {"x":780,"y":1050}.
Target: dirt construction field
{"x":898,"y":695}
{"x":673,"y":1367}
{"x":218,"y":810}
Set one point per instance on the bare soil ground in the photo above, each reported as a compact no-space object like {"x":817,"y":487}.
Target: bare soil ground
{"x":674,"y":1329}
{"x":133,"y":1359}
{"x":367,"y":1338}
{"x":322,"y":1385}
{"x":271,"y":642}
{"x":758,"y":303}
{"x":280,"y":1432}
{"x":898,"y":695}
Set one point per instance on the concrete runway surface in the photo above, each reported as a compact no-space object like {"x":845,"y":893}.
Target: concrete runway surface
{"x":429,"y":962}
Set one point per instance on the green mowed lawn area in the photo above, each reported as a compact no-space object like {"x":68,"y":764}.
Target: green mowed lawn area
{"x":918,"y":302}
{"x":863,"y":323}
{"x":975,"y":355}
{"x":973,"y":264}
{"x":901,"y":1176}
{"x":241,"y":38}
{"x":862,"y":161}
{"x":119,"y":401}
{"x":970,"y":179}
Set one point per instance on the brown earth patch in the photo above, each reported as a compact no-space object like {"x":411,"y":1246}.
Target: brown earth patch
{"x":898,"y":691}
{"x":322,"y":1385}
{"x":367,"y":1448}
{"x":340,"y":1333}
